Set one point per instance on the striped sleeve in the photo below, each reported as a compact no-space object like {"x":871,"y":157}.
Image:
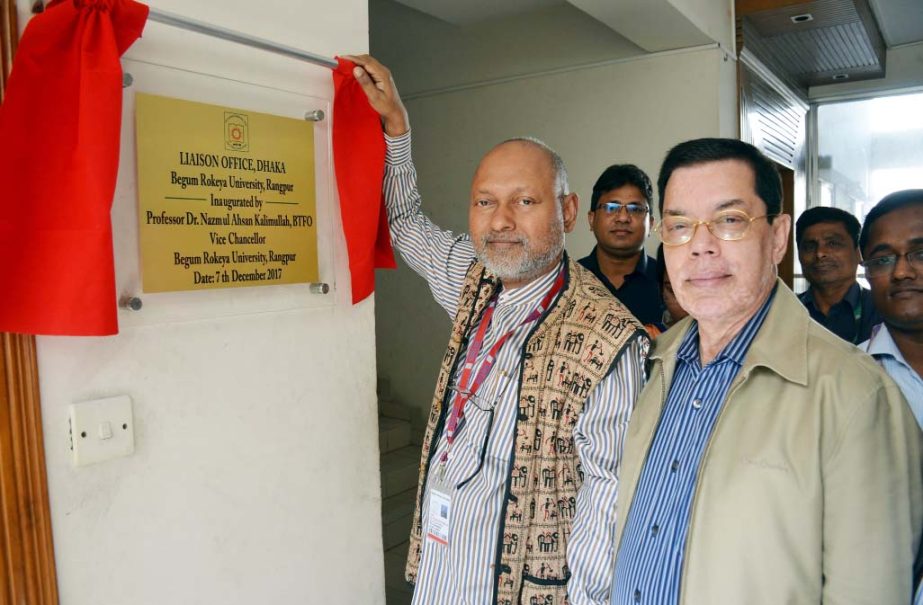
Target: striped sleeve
{"x":599,"y":436}
{"x":440,"y":257}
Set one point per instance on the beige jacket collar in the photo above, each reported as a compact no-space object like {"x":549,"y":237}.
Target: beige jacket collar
{"x":781,"y":345}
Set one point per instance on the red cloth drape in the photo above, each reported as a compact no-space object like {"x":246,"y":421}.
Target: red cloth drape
{"x":359,"y":158}
{"x":59,"y":157}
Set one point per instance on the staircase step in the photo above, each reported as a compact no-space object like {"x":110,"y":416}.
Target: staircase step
{"x":399,"y":470}
{"x":399,"y":596}
{"x":395,"y":560}
{"x":399,"y":505}
{"x":396,"y":517}
{"x":392,"y":409}
{"x":393,"y":434}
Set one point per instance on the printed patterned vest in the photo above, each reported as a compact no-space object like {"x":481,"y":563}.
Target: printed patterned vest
{"x":571,"y":349}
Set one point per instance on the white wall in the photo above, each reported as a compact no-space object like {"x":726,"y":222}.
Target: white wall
{"x":255,"y":477}
{"x":631,"y":109}
{"x":434,"y":55}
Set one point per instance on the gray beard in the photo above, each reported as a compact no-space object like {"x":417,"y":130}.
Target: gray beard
{"x":525,"y":266}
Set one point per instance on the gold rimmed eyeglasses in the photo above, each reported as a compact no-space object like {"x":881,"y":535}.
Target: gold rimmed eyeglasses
{"x":728,"y":225}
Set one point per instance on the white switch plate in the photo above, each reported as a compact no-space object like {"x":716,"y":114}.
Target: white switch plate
{"x":101,"y":429}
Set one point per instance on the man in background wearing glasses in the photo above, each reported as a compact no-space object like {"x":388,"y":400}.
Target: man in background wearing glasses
{"x":620,"y":217}
{"x":892,"y":246}
{"x":519,"y":469}
{"x":768,"y":461}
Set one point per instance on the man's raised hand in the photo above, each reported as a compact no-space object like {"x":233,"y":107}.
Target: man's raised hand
{"x":378,"y":85}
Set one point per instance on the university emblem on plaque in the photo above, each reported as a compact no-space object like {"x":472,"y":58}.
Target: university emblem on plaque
{"x":236,"y":134}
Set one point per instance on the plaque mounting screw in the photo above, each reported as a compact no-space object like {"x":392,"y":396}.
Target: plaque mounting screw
{"x":132,"y":303}
{"x":314,"y":116}
{"x":127,"y":80}
{"x":320,"y":288}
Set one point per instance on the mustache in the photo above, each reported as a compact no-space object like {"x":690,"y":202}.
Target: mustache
{"x":503,"y":238}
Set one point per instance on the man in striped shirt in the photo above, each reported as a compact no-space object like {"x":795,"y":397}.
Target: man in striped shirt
{"x":768,"y":460}
{"x":519,"y":471}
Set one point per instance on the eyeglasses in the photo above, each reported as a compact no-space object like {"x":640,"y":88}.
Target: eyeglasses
{"x":634,"y":209}
{"x":884,"y":265}
{"x":475,"y":426}
{"x":481,"y":402}
{"x":727,"y":225}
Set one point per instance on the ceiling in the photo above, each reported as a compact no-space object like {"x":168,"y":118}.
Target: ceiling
{"x":900,"y":21}
{"x":816,"y":42}
{"x":470,"y":12}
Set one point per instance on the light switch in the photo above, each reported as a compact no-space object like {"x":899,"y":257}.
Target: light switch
{"x":101,"y":429}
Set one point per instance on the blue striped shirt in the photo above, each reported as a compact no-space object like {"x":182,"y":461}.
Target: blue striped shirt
{"x":649,"y":564}
{"x":462,"y":573}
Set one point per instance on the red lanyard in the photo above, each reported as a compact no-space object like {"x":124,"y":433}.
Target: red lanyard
{"x":466,"y":387}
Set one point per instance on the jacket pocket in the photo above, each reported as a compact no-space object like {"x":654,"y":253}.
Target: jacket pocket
{"x":543,"y":591}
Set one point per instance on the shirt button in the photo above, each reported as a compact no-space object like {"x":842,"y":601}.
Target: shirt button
{"x":637,"y":595}
{"x":696,"y":403}
{"x":655,"y":529}
{"x":675,"y":466}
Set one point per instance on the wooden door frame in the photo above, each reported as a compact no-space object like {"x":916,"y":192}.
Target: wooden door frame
{"x":27,"y":567}
{"x":787,"y":266}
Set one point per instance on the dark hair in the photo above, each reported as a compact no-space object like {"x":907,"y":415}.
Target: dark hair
{"x":619,"y":175}
{"x":888,"y":204}
{"x":704,"y":151}
{"x":826,"y":214}
{"x":661,"y":265}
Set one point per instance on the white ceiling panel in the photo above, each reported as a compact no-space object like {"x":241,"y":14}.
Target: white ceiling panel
{"x":901,"y":21}
{"x":468,"y":12}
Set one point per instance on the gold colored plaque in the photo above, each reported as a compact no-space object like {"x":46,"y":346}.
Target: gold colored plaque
{"x":226,"y":196}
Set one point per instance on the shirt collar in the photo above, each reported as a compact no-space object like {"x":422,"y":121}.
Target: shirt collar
{"x":781,"y":344}
{"x":881,"y":344}
{"x":851,"y":297}
{"x":590,"y":261}
{"x":643,"y":261}
{"x":642,"y":268}
{"x":736,"y":349}
{"x":532,"y":292}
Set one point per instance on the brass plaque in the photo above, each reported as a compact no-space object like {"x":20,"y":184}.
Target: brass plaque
{"x":226,"y":196}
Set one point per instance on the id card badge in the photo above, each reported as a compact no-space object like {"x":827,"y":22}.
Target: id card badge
{"x":440,"y":512}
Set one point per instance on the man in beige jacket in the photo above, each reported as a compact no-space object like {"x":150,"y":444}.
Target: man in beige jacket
{"x":767,"y":461}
